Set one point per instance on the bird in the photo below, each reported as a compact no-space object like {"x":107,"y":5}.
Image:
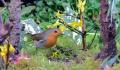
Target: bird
{"x":46,"y":38}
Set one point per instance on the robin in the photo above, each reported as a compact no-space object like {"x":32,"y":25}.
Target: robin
{"x":47,"y":38}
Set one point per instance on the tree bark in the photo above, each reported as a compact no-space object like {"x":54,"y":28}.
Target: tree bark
{"x":14,"y":19}
{"x":108,"y":32}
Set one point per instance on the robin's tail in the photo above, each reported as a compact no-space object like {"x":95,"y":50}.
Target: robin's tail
{"x":30,"y":35}
{"x":33,"y":36}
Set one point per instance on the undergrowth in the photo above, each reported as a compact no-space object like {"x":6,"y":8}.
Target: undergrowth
{"x":39,"y":57}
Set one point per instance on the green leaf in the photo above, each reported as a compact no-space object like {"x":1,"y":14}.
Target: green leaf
{"x":27,"y":10}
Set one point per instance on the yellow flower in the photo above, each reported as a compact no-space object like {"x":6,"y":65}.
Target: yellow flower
{"x":76,"y":24}
{"x":4,"y":51}
{"x":57,"y":23}
{"x":62,"y":28}
{"x":81,"y":5}
{"x":58,"y":14}
{"x":11,"y":49}
{"x":55,"y":54}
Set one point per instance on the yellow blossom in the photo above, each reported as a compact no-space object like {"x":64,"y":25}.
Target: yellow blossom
{"x":58,"y":14}
{"x":62,"y":28}
{"x":57,"y":23}
{"x":76,"y":24}
{"x":55,"y":54}
{"x":4,"y":51}
{"x":81,"y":5}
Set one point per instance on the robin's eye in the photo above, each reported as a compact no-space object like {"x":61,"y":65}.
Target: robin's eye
{"x":55,"y":31}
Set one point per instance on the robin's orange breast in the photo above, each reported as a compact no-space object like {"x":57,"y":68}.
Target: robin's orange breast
{"x":51,"y":41}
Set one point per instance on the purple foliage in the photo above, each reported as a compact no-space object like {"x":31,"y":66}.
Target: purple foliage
{"x":3,"y":31}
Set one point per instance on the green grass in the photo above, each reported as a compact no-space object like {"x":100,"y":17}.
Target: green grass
{"x":39,"y":61}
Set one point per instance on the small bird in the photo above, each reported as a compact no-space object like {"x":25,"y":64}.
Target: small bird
{"x":47,"y":38}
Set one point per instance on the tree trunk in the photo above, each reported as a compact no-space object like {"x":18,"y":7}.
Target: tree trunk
{"x":14,"y":19}
{"x":108,"y":33}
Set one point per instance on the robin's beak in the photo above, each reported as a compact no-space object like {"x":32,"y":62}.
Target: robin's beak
{"x":61,"y":33}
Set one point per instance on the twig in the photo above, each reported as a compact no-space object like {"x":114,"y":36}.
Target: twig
{"x":70,"y":15}
{"x":92,"y":40}
{"x":8,"y":53}
{"x":90,"y":29}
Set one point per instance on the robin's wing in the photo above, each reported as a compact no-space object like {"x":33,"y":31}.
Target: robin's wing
{"x":42,"y":35}
{"x":39,"y":36}
{"x":40,"y":39}
{"x":40,"y":43}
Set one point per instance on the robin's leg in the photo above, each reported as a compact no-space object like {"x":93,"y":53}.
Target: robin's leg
{"x":54,"y":47}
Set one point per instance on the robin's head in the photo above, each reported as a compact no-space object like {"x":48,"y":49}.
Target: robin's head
{"x":55,"y":32}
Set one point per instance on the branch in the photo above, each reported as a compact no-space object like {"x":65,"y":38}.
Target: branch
{"x":70,"y":27}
